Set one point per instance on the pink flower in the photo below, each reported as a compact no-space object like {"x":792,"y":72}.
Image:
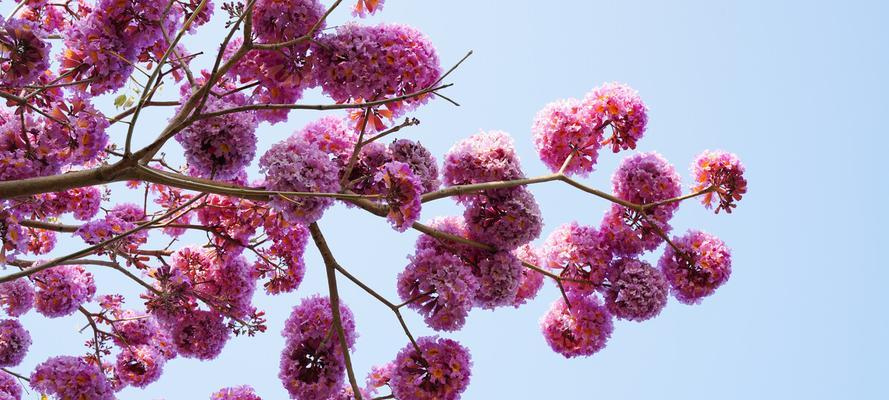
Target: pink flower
{"x":23,"y":54}
{"x":531,"y":281}
{"x":69,"y":377}
{"x":62,"y":289}
{"x":581,"y":330}
{"x":638,"y":291}
{"x":139,"y":366}
{"x":562,"y":128}
{"x":402,"y":191}
{"x":484,"y":157}
{"x":296,"y":165}
{"x":498,"y":276}
{"x":200,"y":334}
{"x":17,"y":297}
{"x":236,"y":393}
{"x":641,"y":178}
{"x":724,"y":173}
{"x":439,"y":371}
{"x":14,"y":343}
{"x":620,"y":107}
{"x":506,"y":221}
{"x":580,"y":254}
{"x":313,"y":318}
{"x":701,"y":266}
{"x":219,"y":147}
{"x":366,"y":63}
{"x":439,"y":286}
{"x":10,"y":387}
{"x":421,"y":161}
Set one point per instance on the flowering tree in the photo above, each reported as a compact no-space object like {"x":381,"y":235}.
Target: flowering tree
{"x":55,"y":157}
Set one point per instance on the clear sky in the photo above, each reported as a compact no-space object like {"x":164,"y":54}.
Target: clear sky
{"x":796,"y":89}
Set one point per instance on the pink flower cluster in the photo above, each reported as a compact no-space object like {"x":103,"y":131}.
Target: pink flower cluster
{"x":62,"y":289}
{"x":578,"y":128}
{"x":638,"y":291}
{"x":219,"y":147}
{"x":579,"y":254}
{"x":67,"y":377}
{"x":484,"y":157}
{"x":440,"y":370}
{"x":236,"y":393}
{"x":722,"y":173}
{"x":421,"y":161}
{"x":9,"y":387}
{"x":641,"y":178}
{"x":367,"y":63}
{"x":402,"y":191}
{"x":225,"y":281}
{"x":702,"y":264}
{"x":295,"y":165}
{"x":17,"y":297}
{"x":565,"y":128}
{"x":14,"y":342}
{"x":104,"y":44}
{"x":24,"y":55}
{"x":312,"y":364}
{"x":579,"y":330}
{"x":439,"y":286}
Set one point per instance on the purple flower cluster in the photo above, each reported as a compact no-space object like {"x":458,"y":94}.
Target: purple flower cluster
{"x":619,"y":106}
{"x":484,"y":157}
{"x":104,"y":44}
{"x":421,"y":161}
{"x":122,"y":218}
{"x":236,"y":393}
{"x":219,"y":147}
{"x":701,"y":266}
{"x":12,"y":237}
{"x":366,"y":63}
{"x":579,"y":330}
{"x":638,"y":291}
{"x":62,"y":289}
{"x":641,"y":178}
{"x":17,"y":297}
{"x":296,"y":165}
{"x":440,"y":370}
{"x":24,"y":55}
{"x":312,"y":364}
{"x":20,"y":160}
{"x":67,"y":377}
{"x":531,"y":281}
{"x":499,"y":276}
{"x":9,"y":387}
{"x":225,"y":281}
{"x":402,"y":190}
{"x":200,"y":334}
{"x":565,"y":128}
{"x":332,"y":135}
{"x":580,"y":254}
{"x":14,"y":342}
{"x":439,"y":286}
{"x":506,"y":221}
{"x":140,"y":365}
{"x":722,"y":173}
{"x":288,"y":245}
{"x":277,"y":21}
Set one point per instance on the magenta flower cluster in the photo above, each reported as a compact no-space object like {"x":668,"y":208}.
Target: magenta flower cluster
{"x":14,"y":342}
{"x":438,"y":370}
{"x":723,"y":174}
{"x":367,"y":63}
{"x":67,"y":377}
{"x":244,"y":392}
{"x":219,"y":147}
{"x":24,"y":55}
{"x":295,"y":165}
{"x":312,"y":364}
{"x":62,"y":289}
{"x":579,"y":330}
{"x":700,"y":264}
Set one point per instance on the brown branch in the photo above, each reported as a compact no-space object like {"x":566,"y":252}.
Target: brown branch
{"x":330,"y":263}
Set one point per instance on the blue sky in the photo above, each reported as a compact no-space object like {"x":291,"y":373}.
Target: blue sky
{"x":796,"y":89}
